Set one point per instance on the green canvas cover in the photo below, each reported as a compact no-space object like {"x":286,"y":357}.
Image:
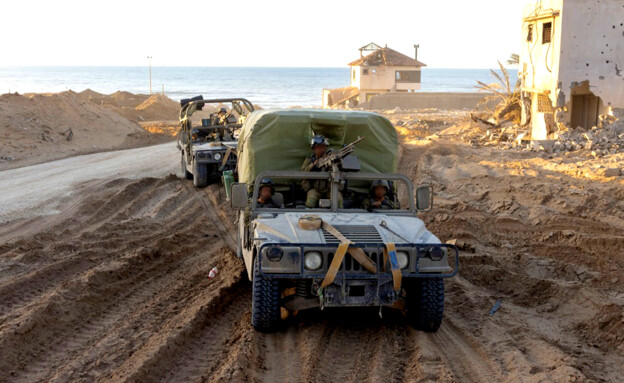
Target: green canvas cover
{"x":279,"y":140}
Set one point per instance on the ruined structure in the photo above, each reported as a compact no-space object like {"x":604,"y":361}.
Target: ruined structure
{"x":572,"y":64}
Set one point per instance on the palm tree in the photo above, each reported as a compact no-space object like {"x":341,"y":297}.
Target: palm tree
{"x":514,"y":59}
{"x":509,"y":105}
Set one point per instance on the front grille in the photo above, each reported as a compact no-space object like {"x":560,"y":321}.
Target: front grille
{"x":350,"y":263}
{"x":355,"y":233}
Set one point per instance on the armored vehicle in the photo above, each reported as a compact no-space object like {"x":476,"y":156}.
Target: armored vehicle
{"x":336,"y":254}
{"x":209,"y":149}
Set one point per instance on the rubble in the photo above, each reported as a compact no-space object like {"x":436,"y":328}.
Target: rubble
{"x":601,"y":141}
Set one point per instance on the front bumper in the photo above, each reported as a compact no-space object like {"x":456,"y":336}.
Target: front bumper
{"x":208,"y":157}
{"x":420,"y":264}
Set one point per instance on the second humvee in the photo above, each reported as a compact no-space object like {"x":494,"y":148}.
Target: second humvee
{"x":210,"y":148}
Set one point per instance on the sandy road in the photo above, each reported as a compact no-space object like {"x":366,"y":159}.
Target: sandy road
{"x":40,"y":189}
{"x":114,"y":287}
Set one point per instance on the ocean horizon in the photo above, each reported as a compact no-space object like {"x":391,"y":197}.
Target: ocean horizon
{"x":265,"y":86}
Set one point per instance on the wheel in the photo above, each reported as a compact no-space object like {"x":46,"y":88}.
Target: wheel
{"x":200,"y":174}
{"x":265,"y":301}
{"x":188,"y":175}
{"x":425,"y":303}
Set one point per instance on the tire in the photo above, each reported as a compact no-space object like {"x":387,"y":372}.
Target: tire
{"x":187,"y":175}
{"x":200,"y":174}
{"x":265,"y":301}
{"x":425,"y":303}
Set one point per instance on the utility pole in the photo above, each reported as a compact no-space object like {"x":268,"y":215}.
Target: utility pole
{"x":150,"y":72}
{"x":416,"y":51}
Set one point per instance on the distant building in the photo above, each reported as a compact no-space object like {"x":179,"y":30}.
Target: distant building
{"x":382,"y":71}
{"x":571,"y":63}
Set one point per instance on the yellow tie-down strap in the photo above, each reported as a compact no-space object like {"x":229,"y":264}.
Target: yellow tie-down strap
{"x":357,"y":254}
{"x":390,"y":254}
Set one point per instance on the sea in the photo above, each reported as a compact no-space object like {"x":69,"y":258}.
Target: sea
{"x":267,"y":87}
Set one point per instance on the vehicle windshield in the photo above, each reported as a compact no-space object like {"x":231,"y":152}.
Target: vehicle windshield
{"x":218,"y":120}
{"x":364,"y":192}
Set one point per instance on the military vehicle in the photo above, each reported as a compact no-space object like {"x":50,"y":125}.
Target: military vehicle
{"x":337,"y":254}
{"x":209,"y":149}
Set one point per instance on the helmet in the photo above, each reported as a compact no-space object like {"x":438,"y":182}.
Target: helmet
{"x":223,"y":110}
{"x":267,"y":182}
{"x":383,"y":183}
{"x":318,"y":140}
{"x":195,"y":133}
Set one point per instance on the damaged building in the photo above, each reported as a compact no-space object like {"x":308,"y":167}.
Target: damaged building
{"x":571,"y":64}
{"x":381,"y":71}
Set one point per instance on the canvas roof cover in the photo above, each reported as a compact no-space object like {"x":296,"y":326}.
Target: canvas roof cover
{"x":279,"y":139}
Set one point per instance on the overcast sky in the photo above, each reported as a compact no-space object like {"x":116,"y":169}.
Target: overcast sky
{"x":451,"y":34}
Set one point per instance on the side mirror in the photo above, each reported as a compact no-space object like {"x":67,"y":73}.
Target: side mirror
{"x":424,"y":198}
{"x":240,"y":199}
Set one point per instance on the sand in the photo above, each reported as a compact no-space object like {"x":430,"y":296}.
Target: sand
{"x":36,"y":128}
{"x":114,"y":286}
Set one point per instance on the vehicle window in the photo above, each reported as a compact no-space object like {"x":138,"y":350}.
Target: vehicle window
{"x":371,"y":195}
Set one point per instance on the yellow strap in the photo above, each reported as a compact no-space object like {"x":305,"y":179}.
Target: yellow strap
{"x":227,"y":156}
{"x":357,"y":253}
{"x":390,"y":252}
{"x":335,"y":265}
{"x":360,"y":256}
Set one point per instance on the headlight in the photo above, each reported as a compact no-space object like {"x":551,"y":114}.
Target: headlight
{"x":312,"y":260}
{"x":274,"y":253}
{"x":217,"y":156}
{"x":436,"y":253}
{"x":403,"y":259}
{"x":201,"y":154}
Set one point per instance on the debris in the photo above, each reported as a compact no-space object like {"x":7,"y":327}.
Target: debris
{"x":213,"y":272}
{"x":613,"y":172}
{"x":495,"y":308}
{"x":461,"y":245}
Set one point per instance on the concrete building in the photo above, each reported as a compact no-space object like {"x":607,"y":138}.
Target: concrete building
{"x":571,"y":63}
{"x":384,"y":70}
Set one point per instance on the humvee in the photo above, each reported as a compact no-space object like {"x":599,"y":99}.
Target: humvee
{"x":209,"y":149}
{"x":338,"y":254}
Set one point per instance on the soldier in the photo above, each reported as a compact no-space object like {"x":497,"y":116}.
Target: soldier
{"x":265,"y":194}
{"x":222,"y":116}
{"x":317,"y":189}
{"x":378,"y":198}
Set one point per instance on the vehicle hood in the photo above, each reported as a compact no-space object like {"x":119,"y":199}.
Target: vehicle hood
{"x":368,"y":228}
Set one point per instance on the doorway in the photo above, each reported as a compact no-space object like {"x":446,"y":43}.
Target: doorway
{"x":585,"y":110}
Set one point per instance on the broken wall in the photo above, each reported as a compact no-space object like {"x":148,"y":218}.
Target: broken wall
{"x":592,"y":50}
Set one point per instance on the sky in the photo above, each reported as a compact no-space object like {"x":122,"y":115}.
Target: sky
{"x":451,"y":34}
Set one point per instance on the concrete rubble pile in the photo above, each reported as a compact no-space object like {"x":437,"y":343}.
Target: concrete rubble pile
{"x":601,"y":140}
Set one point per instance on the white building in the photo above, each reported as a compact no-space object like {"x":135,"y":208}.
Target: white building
{"x":382,"y":71}
{"x":572,"y":63}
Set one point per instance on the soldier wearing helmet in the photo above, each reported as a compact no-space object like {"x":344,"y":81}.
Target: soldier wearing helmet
{"x":317,"y":189}
{"x":222,"y":115}
{"x":265,"y":194}
{"x":378,"y":198}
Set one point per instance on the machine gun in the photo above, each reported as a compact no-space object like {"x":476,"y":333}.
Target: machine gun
{"x":333,"y":158}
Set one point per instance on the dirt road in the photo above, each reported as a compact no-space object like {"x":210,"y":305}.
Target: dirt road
{"x":114,"y":285}
{"x":39,"y":189}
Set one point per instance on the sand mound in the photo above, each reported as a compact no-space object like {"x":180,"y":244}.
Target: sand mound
{"x":158,"y":107}
{"x":37,"y":127}
{"x":91,"y":94}
{"x":126,"y":99}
